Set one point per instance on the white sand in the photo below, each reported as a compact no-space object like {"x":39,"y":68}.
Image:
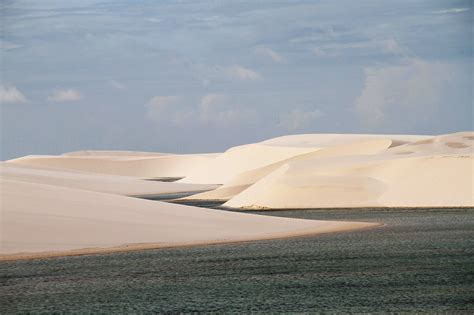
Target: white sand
{"x":78,"y":203}
{"x":352,"y":146}
{"x":240,"y":159}
{"x":41,"y":220}
{"x":434,"y":172}
{"x":105,"y":153}
{"x":114,"y":184}
{"x":121,"y":164}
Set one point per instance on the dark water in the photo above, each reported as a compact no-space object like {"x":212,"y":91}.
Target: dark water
{"x":423,"y":260}
{"x":164,"y":179}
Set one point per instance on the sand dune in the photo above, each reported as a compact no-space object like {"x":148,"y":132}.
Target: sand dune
{"x":240,"y":159}
{"x":78,"y":202}
{"x":138,"y":166}
{"x":114,"y":184}
{"x":105,"y":153}
{"x":415,"y":174}
{"x":353,"y":146}
{"x":41,"y":220}
{"x":329,"y":140}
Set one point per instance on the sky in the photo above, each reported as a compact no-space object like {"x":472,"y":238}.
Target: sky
{"x":202,"y":76}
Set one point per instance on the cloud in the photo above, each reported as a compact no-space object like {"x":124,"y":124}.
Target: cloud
{"x":10,"y":94}
{"x":298,"y":119}
{"x":242,"y":73}
{"x":211,"y":100}
{"x":209,"y":110}
{"x":392,"y":46}
{"x":450,"y":11}
{"x":273,"y":55}
{"x":218,"y":109}
{"x":117,"y":85}
{"x":319,"y":52}
{"x":5,"y":45}
{"x":158,"y":106}
{"x":369,"y":47}
{"x":68,"y":95}
{"x":400,"y":94}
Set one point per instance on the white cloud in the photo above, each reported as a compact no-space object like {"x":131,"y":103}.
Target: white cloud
{"x":405,"y":92}
{"x":273,"y":55}
{"x":390,"y":46}
{"x":218,"y":109}
{"x":68,"y":95}
{"x":211,"y":100}
{"x":450,"y":11}
{"x":318,"y":51}
{"x":242,"y":73}
{"x":10,"y":94}
{"x":210,"y":110}
{"x":299,"y":119}
{"x":117,"y":85}
{"x":158,"y":106}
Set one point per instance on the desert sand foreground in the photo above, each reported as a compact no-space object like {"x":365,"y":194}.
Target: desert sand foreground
{"x":83,"y":202}
{"x":41,"y":220}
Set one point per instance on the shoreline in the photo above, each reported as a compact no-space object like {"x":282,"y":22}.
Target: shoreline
{"x":196,"y":202}
{"x":349,"y":227}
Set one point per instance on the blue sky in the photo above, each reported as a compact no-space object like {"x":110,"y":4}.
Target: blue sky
{"x":201,"y":76}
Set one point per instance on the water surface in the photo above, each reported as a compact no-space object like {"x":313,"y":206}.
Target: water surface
{"x":423,"y":260}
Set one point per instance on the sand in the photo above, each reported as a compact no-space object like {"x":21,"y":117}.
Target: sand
{"x":353,"y":146}
{"x":40,"y":220}
{"x":434,"y":172}
{"x":114,"y":184}
{"x":82,"y":202}
{"x":138,"y":165}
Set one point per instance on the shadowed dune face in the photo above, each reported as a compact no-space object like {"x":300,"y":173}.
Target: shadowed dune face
{"x":427,"y":141}
{"x":457,"y":145}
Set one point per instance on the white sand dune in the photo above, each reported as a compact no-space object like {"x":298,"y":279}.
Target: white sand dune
{"x":240,"y":159}
{"x":353,"y":146}
{"x":79,"y":202}
{"x":41,"y":220}
{"x":433,"y":172}
{"x":121,"y":164}
{"x":114,"y":184}
{"x":252,"y":156}
{"x":328,"y":140}
{"x":105,"y":153}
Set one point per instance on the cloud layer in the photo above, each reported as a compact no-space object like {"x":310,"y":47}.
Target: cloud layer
{"x":218,"y":73}
{"x":10,"y":94}
{"x":68,"y":95}
{"x":209,"y":110}
{"x":405,"y":90}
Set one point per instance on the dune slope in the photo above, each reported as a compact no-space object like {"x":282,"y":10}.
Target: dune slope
{"x":435,"y":172}
{"x":41,"y":220}
{"x":143,"y":166}
{"x":114,"y":184}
